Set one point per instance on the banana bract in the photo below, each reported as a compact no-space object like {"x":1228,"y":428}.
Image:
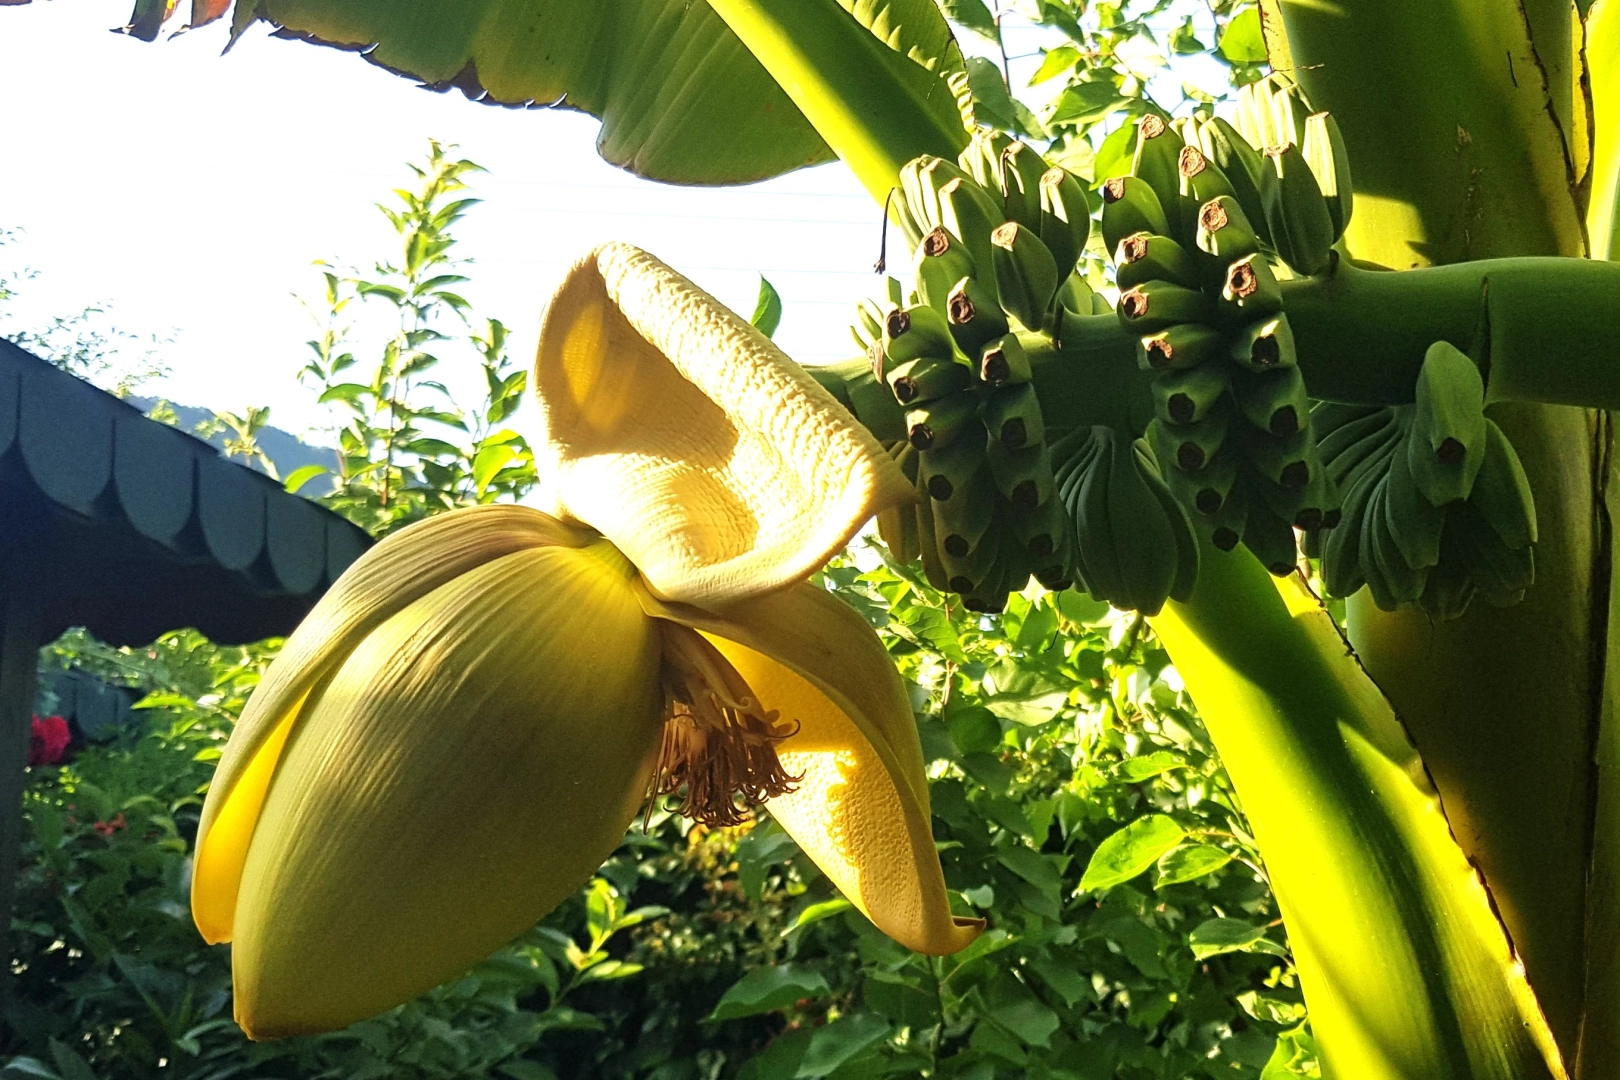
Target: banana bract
{"x":461,"y":731}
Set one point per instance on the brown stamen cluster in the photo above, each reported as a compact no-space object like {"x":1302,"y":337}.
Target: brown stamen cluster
{"x":719,"y":742}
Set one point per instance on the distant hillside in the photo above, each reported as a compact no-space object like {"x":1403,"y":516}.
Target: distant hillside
{"x":287,"y":450}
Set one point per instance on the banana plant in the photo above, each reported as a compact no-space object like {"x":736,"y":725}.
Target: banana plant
{"x":1435,"y":799}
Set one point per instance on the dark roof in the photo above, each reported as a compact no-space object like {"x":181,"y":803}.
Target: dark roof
{"x":131,"y":528}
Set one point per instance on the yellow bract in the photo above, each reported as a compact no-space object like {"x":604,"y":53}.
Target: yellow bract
{"x":466,"y":724}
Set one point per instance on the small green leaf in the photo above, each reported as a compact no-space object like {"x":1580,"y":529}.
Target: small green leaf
{"x":1138,"y":769}
{"x":1212,"y":937}
{"x":301,"y":476}
{"x":767,"y":309}
{"x":769,"y":988}
{"x":817,"y":912}
{"x":974,"y":729}
{"x":838,"y":1042}
{"x":1054,"y":63}
{"x":1294,"y":1056}
{"x":1190,"y":863}
{"x":1243,"y":42}
{"x":1130,"y":851}
{"x":972,"y":15}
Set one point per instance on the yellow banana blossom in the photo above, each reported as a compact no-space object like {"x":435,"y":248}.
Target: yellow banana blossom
{"x":464,"y":727}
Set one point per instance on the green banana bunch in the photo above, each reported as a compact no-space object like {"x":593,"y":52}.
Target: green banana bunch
{"x":1134,"y":543}
{"x":1437,"y":508}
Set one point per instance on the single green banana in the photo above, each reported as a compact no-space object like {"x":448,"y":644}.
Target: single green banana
{"x":1187,"y":556}
{"x":1296,"y":215}
{"x":1390,"y":579}
{"x":1065,"y":218}
{"x":1447,"y":445}
{"x":937,"y":424}
{"x":909,"y":333}
{"x":981,"y":158}
{"x":1249,"y":292}
{"x":1130,"y":205}
{"x":968,"y":213}
{"x":1023,"y":476}
{"x":1287,"y":462}
{"x":974,"y":315}
{"x":1143,"y":257}
{"x":1021,"y":171}
{"x":1274,"y":401}
{"x":1089,"y":510}
{"x":1187,"y":396}
{"x":1230,"y":520}
{"x":1245,"y":167}
{"x":897,"y":525}
{"x":1501,"y":491}
{"x":1003,"y":361}
{"x":927,"y":378}
{"x":1502,"y":573}
{"x":1181,"y":347}
{"x":943,"y":473}
{"x":1075,"y":296}
{"x":1198,"y":181}
{"x":962,"y":521}
{"x":1265,"y":345}
{"x":1157,"y":305}
{"x":1255,"y":119}
{"x":1026,"y":274}
{"x":1329,"y":160}
{"x":1342,"y":573}
{"x":1158,"y":149}
{"x":1450,"y":588}
{"x":1190,"y":446}
{"x":939,"y":262}
{"x":1271,"y":539}
{"x":1012,"y":416}
{"x":1142,"y":537}
{"x":922,"y":513}
{"x":1071,"y":458}
{"x":1411,"y":520}
{"x":1224,"y":231}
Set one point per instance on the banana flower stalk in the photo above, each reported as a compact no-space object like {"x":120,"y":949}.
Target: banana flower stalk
{"x":464,"y":727}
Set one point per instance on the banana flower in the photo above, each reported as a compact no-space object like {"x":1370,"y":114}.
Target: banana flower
{"x":467,"y":723}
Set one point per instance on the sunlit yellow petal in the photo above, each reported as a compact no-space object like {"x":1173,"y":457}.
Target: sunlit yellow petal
{"x":382,"y":582}
{"x":469,"y":766}
{"x":861,"y":810}
{"x":681,"y":433}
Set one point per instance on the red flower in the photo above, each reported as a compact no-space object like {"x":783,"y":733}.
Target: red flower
{"x":48,"y":740}
{"x":107,"y":828}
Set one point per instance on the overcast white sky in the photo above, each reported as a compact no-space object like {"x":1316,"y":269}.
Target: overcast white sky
{"x":193,"y":190}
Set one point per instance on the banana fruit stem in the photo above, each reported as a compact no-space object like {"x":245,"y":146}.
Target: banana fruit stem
{"x":1543,"y":329}
{"x":1404,"y":965}
{"x":862,"y":97}
{"x":1092,"y":378}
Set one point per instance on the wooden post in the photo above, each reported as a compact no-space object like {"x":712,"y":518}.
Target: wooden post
{"x":19,"y":660}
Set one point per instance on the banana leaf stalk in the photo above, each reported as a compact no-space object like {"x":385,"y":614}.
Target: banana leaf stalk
{"x":1405,"y":967}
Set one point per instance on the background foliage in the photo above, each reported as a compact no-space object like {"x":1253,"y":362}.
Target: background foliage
{"x":1078,"y":805}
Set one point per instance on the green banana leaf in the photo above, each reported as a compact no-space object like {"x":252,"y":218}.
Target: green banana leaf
{"x":680,"y":97}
